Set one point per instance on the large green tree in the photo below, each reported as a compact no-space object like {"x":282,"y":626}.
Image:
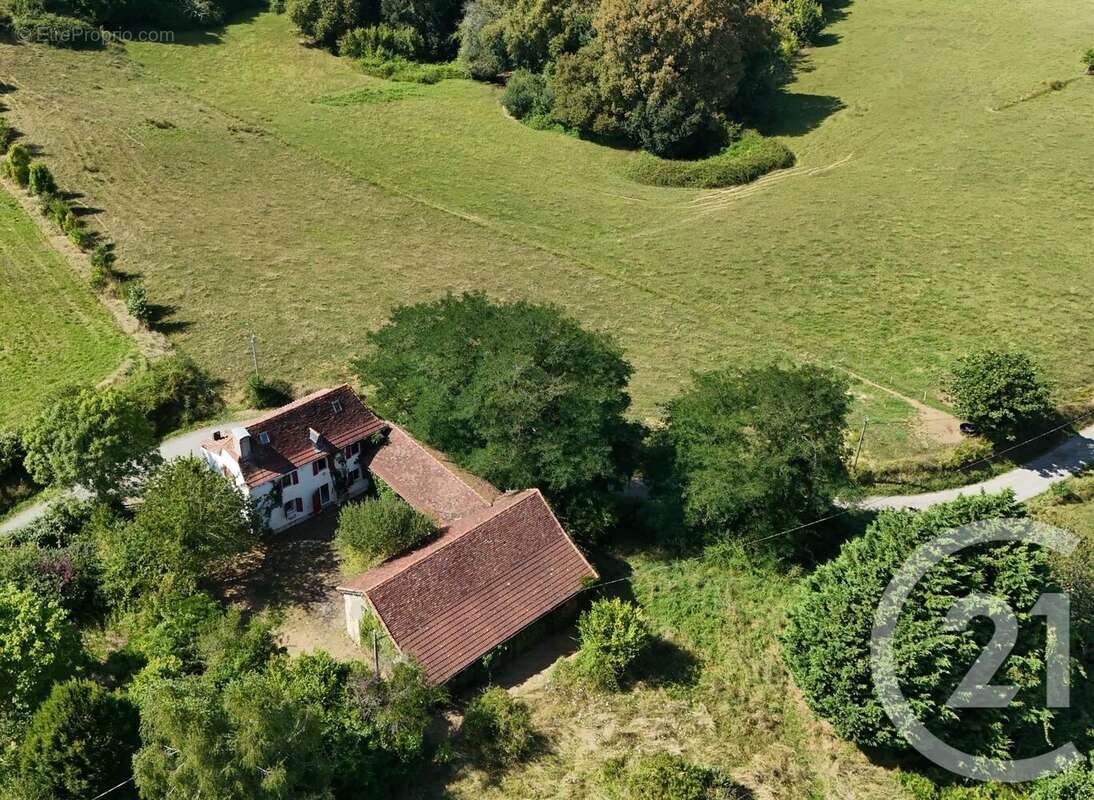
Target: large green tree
{"x":517,"y":393}
{"x":79,"y":743}
{"x":750,"y":452}
{"x":666,"y":72}
{"x":827,"y":640}
{"x":1001,"y":393}
{"x":191,"y":522}
{"x":38,"y":646}
{"x":96,"y":438}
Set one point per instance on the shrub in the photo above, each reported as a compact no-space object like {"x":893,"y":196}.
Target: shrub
{"x":191,"y":524}
{"x":527,"y":95}
{"x":482,"y":39}
{"x":498,"y":728}
{"x":233,"y":647}
{"x":1076,"y":783}
{"x":435,"y":20}
{"x":7,"y":135}
{"x":613,"y":634}
{"x":326,"y":21}
{"x":136,"y":302}
{"x":12,"y":451}
{"x":174,"y":392}
{"x":81,"y":237}
{"x":38,"y":647}
{"x":803,"y":18}
{"x":400,"y":69}
{"x":1088,"y":60}
{"x":17,"y":164}
{"x":741,"y":162}
{"x":374,"y":530}
{"x":381,"y":41}
{"x":57,"y":30}
{"x":80,"y":740}
{"x":103,"y":258}
{"x":1001,"y":393}
{"x":40,"y":180}
{"x":267,"y":394}
{"x":827,"y":639}
{"x":68,"y":575}
{"x":60,"y":212}
{"x":663,"y":776}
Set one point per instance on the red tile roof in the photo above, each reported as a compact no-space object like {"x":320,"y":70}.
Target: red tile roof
{"x":427,"y":480}
{"x":288,"y":429}
{"x":489,"y":576}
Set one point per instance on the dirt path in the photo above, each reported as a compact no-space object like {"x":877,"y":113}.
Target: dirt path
{"x":935,"y":425}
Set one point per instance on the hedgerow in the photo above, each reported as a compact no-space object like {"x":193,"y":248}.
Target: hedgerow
{"x":747,"y":159}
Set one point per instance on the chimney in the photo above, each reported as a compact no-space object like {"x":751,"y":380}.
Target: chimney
{"x":243,"y":436}
{"x":314,"y":436}
{"x":217,"y":436}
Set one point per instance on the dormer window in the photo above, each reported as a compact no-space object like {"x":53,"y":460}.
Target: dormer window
{"x":264,"y":438}
{"x":336,"y":405}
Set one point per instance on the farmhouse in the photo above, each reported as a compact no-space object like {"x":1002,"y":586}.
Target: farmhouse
{"x":501,"y":560}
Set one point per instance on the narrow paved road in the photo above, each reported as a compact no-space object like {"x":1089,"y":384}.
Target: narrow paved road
{"x":184,"y":444}
{"x":1030,"y":480}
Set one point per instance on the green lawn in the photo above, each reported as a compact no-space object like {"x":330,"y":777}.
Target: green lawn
{"x":53,"y":331}
{"x":299,"y":199}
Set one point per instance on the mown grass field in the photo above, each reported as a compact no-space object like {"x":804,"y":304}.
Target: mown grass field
{"x":53,"y":331}
{"x":265,"y":187}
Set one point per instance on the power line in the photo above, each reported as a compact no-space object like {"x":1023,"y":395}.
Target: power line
{"x":962,"y":468}
{"x":108,"y":791}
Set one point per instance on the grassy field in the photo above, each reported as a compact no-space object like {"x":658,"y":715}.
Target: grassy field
{"x":264,"y":187}
{"x":53,"y":331}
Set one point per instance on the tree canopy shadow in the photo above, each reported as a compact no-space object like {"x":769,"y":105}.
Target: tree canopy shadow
{"x":664,"y":663}
{"x":794,"y":114}
{"x":160,"y":318}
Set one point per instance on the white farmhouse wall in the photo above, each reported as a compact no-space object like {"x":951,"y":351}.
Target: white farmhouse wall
{"x":355,"y":609}
{"x":305,"y":491}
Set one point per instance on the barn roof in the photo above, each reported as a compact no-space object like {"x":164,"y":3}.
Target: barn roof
{"x":490,"y":574}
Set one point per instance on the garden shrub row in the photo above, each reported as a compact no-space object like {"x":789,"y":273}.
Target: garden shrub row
{"x":747,"y":159}
{"x":397,"y":68}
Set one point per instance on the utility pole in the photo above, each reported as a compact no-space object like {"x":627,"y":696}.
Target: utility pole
{"x":858,"y":447}
{"x":254,"y":356}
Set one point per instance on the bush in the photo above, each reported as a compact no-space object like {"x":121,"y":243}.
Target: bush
{"x":663,"y":776}
{"x":741,"y":162}
{"x":7,"y":135}
{"x":382,"y":41}
{"x":103,"y":258}
{"x":267,"y":394}
{"x":136,"y":302}
{"x":803,"y":18}
{"x":38,"y":647}
{"x":613,"y":634}
{"x":68,"y":575}
{"x":1001,"y":393}
{"x":174,"y":392}
{"x":1076,"y":783}
{"x":12,"y":451}
{"x":81,"y":236}
{"x":400,"y":69}
{"x":40,"y":180}
{"x":80,"y":740}
{"x":58,"y":31}
{"x":60,"y":212}
{"x":527,"y":95}
{"x":17,"y":164}
{"x":326,"y":21}
{"x":482,"y":40}
{"x":1088,"y":60}
{"x":498,"y":729}
{"x":827,"y":639}
{"x":375,"y":530}
{"x":435,"y":20}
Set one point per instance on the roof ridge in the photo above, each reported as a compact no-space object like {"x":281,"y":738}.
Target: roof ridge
{"x":459,"y":536}
{"x":445,"y":467}
{"x":298,"y":403}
